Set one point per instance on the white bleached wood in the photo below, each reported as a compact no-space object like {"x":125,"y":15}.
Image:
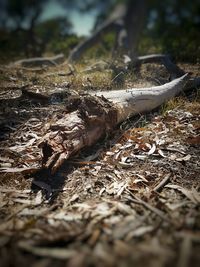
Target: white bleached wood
{"x":139,"y":100}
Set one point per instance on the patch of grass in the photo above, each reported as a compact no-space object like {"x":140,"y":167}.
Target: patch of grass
{"x":173,"y":103}
{"x":79,"y":81}
{"x":92,"y":81}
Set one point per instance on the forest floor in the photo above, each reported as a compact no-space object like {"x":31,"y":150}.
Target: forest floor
{"x":130,"y":200}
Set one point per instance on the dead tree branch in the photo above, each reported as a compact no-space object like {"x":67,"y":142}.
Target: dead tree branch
{"x":98,"y":114}
{"x":40,"y":61}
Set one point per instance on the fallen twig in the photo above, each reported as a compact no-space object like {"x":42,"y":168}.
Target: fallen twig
{"x":162,"y":183}
{"x":148,"y":206}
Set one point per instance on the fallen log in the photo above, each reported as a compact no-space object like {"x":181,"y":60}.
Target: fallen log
{"x":92,"y":116}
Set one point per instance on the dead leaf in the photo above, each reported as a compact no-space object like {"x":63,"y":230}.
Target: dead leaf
{"x":35,"y":202}
{"x":186,"y":158}
{"x":57,"y":253}
{"x":193,"y":195}
{"x":74,"y":198}
{"x":69,"y":217}
{"x":193,"y":140}
{"x":174,"y":206}
{"x":152,"y":150}
{"x":139,"y":232}
{"x":160,"y":152}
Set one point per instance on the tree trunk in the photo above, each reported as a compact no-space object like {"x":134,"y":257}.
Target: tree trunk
{"x":133,"y":25}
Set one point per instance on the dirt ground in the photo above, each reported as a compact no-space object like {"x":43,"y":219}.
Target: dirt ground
{"x":130,"y":200}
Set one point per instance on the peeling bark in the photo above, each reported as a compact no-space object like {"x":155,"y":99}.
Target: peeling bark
{"x":92,"y":118}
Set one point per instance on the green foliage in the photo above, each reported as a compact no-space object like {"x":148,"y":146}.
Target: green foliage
{"x":102,"y":49}
{"x":55,"y":35}
{"x":148,"y":45}
{"x":23,"y":11}
{"x":171,"y":27}
{"x":10,"y":49}
{"x":183,"y":47}
{"x":63,"y":44}
{"x":51,"y":36}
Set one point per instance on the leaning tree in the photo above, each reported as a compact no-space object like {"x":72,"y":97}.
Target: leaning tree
{"x":126,"y":20}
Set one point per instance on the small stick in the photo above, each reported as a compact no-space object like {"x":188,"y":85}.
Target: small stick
{"x":148,"y":206}
{"x":159,"y":187}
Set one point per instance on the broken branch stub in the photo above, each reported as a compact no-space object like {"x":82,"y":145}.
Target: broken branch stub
{"x":91,"y":117}
{"x":171,"y":67}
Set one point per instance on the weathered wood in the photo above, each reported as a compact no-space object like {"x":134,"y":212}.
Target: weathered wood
{"x":133,"y":24}
{"x":139,"y":100}
{"x":136,"y":62}
{"x":96,"y":115}
{"x":92,"y":118}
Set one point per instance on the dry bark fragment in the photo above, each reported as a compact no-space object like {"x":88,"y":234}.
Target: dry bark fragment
{"x":92,"y":118}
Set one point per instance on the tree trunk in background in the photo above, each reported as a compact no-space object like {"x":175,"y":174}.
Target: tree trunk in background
{"x":127,"y":21}
{"x":97,"y":115}
{"x":134,"y":22}
{"x":32,"y":47}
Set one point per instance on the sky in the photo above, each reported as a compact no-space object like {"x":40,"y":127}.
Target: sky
{"x":82,"y":23}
